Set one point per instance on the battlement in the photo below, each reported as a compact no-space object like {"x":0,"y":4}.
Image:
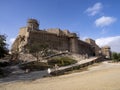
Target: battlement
{"x":90,"y":41}
{"x":33,"y":24}
{"x":60,"y":32}
{"x":56,"y":39}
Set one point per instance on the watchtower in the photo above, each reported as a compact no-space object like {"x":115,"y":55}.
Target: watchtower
{"x":33,"y":24}
{"x":106,"y":51}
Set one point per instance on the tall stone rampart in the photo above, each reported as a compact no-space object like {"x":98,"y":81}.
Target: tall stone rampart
{"x":56,"y":39}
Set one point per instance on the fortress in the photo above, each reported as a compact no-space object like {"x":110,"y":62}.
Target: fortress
{"x":56,"y":39}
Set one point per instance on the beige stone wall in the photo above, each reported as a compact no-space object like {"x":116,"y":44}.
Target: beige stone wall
{"x":58,"y":32}
{"x":96,"y":47}
{"x":60,"y":43}
{"x":85,"y":48}
{"x":23,"y":31}
{"x":106,"y":51}
{"x":74,"y":45}
{"x":56,"y":39}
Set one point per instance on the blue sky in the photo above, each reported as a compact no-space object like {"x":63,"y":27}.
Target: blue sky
{"x":96,"y":19}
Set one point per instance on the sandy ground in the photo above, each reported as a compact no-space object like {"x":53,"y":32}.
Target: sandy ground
{"x":105,"y":76}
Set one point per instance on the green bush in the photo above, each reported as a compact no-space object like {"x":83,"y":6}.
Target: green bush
{"x":61,"y":61}
{"x":33,"y":66}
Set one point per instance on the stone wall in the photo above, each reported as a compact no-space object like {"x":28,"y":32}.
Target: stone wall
{"x":56,"y":39}
{"x":85,"y":48}
{"x":52,"y":40}
{"x":106,"y":51}
{"x":95,"y":46}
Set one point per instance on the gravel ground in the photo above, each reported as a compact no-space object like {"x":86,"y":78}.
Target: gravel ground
{"x":105,"y":76}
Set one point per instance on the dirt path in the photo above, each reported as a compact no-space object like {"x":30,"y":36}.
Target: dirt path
{"x":105,"y":76}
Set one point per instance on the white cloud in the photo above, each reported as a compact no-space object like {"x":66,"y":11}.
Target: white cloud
{"x":11,"y":40}
{"x":104,"y":21}
{"x":95,"y":9}
{"x":113,"y":42}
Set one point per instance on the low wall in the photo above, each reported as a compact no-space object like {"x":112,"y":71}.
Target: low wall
{"x":77,"y":67}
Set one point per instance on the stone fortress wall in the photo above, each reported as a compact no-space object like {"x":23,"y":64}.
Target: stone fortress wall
{"x":55,"y":38}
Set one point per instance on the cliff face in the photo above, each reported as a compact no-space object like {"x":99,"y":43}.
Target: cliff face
{"x":55,"y":39}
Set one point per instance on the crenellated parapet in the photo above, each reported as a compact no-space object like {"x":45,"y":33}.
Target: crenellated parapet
{"x":55,"y":38}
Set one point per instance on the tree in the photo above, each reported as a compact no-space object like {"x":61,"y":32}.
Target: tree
{"x":3,"y":46}
{"x":116,"y":56}
{"x":38,"y":50}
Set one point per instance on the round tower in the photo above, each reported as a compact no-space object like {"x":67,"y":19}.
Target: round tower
{"x":106,"y":51}
{"x":73,"y":43}
{"x":33,"y":24}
